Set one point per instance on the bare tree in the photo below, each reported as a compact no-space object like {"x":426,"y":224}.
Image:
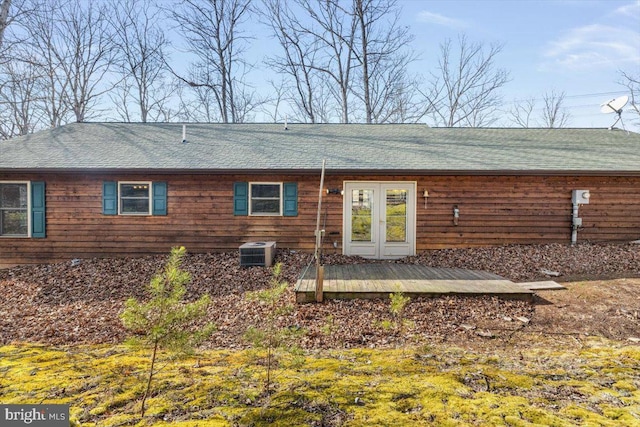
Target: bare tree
{"x":633,"y":84}
{"x":121,"y":97}
{"x":553,"y":113}
{"x":401,"y":101}
{"x":271,"y":108}
{"x":203,"y":107}
{"x":334,"y":29}
{"x":317,"y":38}
{"x":141,"y":45}
{"x":465,"y":90}
{"x":297,"y":61}
{"x":366,"y":14}
{"x":183,"y":108}
{"x":5,"y":5}
{"x":19,"y":112}
{"x":212,"y":30}
{"x":356,"y":53}
{"x":381,"y":51}
{"x":12,"y":12}
{"x":521,"y":112}
{"x":73,"y":44}
{"x":41,"y":27}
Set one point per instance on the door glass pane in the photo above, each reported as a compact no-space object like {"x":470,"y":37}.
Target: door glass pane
{"x":361,"y":214}
{"x":396,"y":216}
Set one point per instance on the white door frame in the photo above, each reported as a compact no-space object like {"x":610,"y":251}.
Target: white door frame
{"x":378,"y":248}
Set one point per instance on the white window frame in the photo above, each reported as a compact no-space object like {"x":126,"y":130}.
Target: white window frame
{"x":251,"y":213}
{"x":147,"y":183}
{"x":21,"y":236}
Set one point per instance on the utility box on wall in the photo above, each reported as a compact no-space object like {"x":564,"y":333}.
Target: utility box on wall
{"x":257,"y":254}
{"x":580,"y":197}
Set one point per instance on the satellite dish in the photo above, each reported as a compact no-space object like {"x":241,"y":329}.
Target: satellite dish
{"x":615,"y":106}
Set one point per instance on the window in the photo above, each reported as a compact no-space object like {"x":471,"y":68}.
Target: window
{"x":14,"y":209}
{"x":135,"y":198}
{"x":266,"y":199}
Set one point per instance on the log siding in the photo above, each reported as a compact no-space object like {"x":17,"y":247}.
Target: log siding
{"x":494,"y":210}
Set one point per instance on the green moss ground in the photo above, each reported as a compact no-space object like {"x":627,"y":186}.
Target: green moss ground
{"x":595,"y":384}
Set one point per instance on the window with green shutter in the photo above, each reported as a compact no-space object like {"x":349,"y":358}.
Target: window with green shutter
{"x":23,"y":209}
{"x":134,"y":198}
{"x":14,"y":209}
{"x":265,"y":198}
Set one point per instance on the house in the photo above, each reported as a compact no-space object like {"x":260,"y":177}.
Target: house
{"x":123,"y":189}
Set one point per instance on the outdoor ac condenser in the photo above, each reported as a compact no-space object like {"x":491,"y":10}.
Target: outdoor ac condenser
{"x":259,"y":254}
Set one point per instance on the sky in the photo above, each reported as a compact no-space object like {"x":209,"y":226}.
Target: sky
{"x":573,"y":46}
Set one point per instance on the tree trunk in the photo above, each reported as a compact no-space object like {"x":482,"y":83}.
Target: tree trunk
{"x":4,"y":18}
{"x":146,"y":392}
{"x":365,"y":61}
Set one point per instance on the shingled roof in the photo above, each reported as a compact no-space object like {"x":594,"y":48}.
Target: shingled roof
{"x":302,"y":147}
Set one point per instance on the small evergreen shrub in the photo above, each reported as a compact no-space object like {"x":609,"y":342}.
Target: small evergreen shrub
{"x":165,"y":321}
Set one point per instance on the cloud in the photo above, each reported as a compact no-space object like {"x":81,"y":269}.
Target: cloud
{"x":631,"y":10}
{"x":592,"y":46}
{"x":436,"y":18}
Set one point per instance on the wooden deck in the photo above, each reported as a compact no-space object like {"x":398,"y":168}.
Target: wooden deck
{"x":378,"y":280}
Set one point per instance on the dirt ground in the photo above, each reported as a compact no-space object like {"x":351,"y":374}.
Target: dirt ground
{"x":79,"y":303}
{"x":608,"y":308}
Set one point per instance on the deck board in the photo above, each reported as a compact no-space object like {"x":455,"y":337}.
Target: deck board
{"x":378,"y":280}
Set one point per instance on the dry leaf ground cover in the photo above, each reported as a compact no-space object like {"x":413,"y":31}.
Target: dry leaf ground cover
{"x":461,"y":361}
{"x":70,"y":304}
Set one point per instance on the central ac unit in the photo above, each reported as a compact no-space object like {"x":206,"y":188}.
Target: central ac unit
{"x":257,"y":254}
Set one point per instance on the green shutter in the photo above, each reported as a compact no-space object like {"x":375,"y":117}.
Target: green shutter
{"x":110,"y":198}
{"x":38,"y":217}
{"x":240,"y":198}
{"x":159,"y":190}
{"x":290,"y":199}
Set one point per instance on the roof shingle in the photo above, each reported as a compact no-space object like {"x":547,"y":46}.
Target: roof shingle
{"x":352,"y":147}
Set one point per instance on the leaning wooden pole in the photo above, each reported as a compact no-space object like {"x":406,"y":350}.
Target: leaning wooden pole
{"x":319,"y":233}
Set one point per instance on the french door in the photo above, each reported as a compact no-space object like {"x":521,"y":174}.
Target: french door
{"x":379,"y":219}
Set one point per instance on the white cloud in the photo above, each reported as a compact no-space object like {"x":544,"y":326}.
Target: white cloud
{"x":436,"y":18}
{"x":592,"y":46}
{"x":631,"y":10}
